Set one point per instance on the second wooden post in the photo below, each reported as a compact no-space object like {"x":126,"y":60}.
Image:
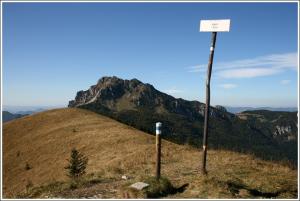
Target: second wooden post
{"x":158,"y":149}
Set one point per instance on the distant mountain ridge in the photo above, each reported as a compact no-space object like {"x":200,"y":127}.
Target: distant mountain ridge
{"x":278,"y":109}
{"x":141,"y":105}
{"x":7,"y":116}
{"x":17,"y":109}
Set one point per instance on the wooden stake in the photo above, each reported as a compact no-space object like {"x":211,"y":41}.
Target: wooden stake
{"x":207,"y":105}
{"x":158,"y":149}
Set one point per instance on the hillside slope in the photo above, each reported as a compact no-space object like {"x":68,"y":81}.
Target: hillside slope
{"x":140,"y":105}
{"x":44,"y":141}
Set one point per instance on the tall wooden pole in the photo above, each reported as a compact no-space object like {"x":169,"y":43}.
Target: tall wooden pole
{"x":158,"y":149}
{"x":206,"y":120}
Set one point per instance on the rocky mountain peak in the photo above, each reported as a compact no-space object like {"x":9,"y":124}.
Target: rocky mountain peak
{"x":111,"y":88}
{"x":117,"y":94}
{"x":107,"y":81}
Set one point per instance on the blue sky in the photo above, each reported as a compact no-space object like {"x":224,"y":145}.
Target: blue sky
{"x":53,"y":50}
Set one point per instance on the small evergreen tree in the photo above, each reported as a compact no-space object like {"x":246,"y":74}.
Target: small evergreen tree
{"x":77,"y":164}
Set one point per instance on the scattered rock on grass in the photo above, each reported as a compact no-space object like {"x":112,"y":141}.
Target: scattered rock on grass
{"x":125,"y":177}
{"x":139,"y":185}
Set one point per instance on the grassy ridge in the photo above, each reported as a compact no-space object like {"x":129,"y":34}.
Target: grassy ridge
{"x":227,"y":133}
{"x":44,"y":141}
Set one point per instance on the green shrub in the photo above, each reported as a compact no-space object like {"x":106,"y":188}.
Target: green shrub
{"x":159,"y":188}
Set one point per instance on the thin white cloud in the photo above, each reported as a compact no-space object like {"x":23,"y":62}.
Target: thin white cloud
{"x":172,"y":91}
{"x":228,"y":86}
{"x":258,"y":66}
{"x":247,"y":72}
{"x":284,"y":82}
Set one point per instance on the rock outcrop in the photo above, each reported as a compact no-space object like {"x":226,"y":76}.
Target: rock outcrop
{"x":118,"y":94}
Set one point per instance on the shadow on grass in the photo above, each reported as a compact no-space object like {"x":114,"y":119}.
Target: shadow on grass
{"x":182,"y":188}
{"x":162,"y":187}
{"x":235,"y":188}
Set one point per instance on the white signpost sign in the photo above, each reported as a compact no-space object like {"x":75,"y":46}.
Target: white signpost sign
{"x":214,"y":25}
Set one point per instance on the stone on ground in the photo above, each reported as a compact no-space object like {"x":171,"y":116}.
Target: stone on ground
{"x":139,"y":185}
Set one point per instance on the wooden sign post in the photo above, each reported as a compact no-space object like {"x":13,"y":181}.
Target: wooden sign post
{"x":213,"y":26}
{"x":158,"y":149}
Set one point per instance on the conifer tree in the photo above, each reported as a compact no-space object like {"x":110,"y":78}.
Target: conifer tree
{"x":77,"y":164}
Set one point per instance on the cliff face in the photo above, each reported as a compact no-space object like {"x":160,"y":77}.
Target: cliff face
{"x":264,"y":133}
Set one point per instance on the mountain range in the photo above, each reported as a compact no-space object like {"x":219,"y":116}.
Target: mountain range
{"x":7,"y":116}
{"x":278,"y":109}
{"x":14,"y":112}
{"x":266,"y":134}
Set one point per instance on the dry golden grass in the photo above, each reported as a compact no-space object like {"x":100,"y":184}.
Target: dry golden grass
{"x":45,"y":140}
